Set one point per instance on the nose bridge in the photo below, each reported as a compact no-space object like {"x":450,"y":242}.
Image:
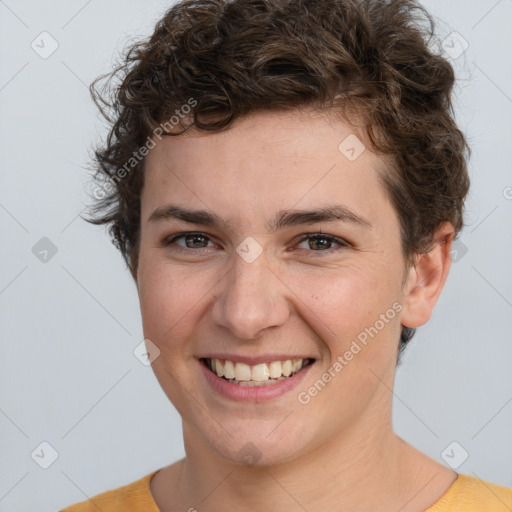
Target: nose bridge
{"x":251,"y":299}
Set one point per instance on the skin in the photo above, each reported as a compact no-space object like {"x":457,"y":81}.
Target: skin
{"x":338,"y":452}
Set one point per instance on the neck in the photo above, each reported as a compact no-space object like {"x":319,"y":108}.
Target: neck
{"x":359,"y":460}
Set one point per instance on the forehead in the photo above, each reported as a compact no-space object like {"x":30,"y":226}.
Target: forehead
{"x":264,"y":163}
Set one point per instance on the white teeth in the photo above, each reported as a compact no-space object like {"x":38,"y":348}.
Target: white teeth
{"x":260,"y":372}
{"x":243,"y":373}
{"x":229,"y":370}
{"x":218,"y":368}
{"x":275,"y":369}
{"x":287,"y":368}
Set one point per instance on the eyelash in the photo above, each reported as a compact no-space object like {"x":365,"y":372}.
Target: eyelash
{"x":342,"y":243}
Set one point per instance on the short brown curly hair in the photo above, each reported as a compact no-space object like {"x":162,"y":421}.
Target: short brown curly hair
{"x":213,"y":61}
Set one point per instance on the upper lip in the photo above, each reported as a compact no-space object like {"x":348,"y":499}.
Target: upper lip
{"x":252,"y":360}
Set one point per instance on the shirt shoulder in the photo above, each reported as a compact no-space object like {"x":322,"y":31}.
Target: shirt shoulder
{"x":134,"y":497}
{"x":471,"y":494}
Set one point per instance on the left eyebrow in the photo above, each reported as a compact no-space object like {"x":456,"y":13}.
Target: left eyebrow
{"x":283,"y":218}
{"x":286,"y":218}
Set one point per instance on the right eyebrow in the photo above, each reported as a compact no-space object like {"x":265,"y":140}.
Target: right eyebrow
{"x":202,"y":217}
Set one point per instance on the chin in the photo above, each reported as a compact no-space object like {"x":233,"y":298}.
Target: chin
{"x":256,"y":445}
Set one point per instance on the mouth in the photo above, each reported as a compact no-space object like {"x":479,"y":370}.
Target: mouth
{"x":263,"y":374}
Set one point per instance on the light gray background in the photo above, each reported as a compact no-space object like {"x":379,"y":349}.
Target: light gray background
{"x":70,"y":325}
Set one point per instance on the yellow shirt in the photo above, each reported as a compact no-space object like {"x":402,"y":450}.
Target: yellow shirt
{"x":466,"y":494}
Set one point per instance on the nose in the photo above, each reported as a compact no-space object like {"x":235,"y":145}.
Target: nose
{"x":252,"y":299}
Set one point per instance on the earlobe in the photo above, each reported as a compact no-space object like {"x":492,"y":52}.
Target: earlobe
{"x":426,"y":279}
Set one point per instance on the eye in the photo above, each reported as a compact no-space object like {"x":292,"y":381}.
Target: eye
{"x":191,"y":240}
{"x":320,"y":242}
{"x":197,"y":241}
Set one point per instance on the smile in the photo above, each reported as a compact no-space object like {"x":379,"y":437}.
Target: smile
{"x":262,"y":374}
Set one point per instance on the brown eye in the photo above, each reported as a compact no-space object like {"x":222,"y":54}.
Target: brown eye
{"x":189,"y":241}
{"x":195,"y":241}
{"x":319,"y":242}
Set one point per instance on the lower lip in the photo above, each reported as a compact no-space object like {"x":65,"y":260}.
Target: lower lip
{"x":253,"y":393}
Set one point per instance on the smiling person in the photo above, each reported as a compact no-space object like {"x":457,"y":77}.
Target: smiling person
{"x":285,"y":180}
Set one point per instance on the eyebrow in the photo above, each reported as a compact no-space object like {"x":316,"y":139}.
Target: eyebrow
{"x":283,"y":218}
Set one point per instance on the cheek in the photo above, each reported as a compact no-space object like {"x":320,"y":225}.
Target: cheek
{"x":354,"y":305}
{"x":343,"y":298}
{"x":170,"y":298}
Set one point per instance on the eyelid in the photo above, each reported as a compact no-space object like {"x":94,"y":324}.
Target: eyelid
{"x":342,"y":243}
{"x":172,"y":238}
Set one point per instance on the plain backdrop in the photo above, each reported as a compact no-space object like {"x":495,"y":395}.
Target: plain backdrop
{"x":69,"y":313}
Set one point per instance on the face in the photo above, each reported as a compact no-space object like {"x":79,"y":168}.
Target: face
{"x":295,"y":257}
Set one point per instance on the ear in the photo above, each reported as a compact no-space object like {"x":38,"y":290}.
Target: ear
{"x":426,"y":278}
{"x":133,"y":259}
{"x":132,"y":266}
